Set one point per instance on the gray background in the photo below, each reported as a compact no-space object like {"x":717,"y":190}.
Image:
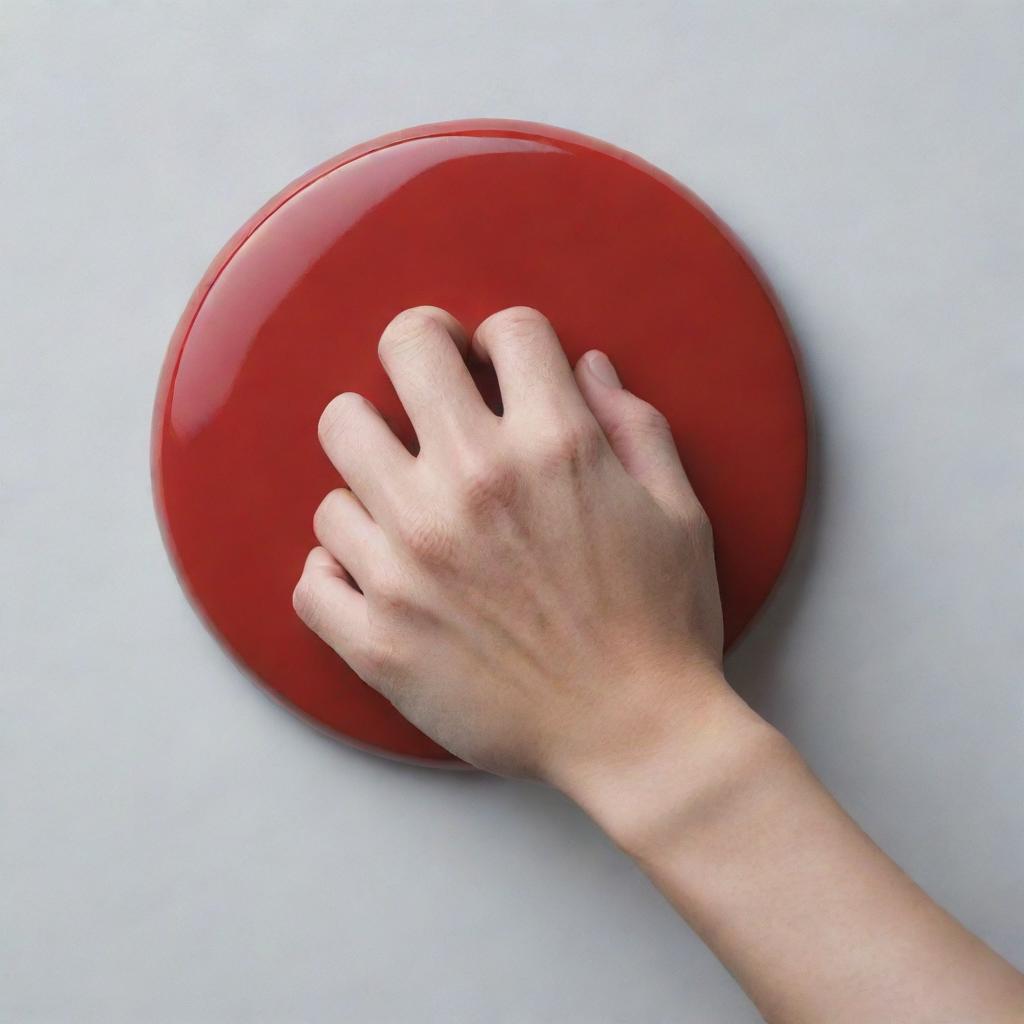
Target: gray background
{"x":173,"y":846}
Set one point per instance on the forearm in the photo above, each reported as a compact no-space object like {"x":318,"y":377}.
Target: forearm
{"x":809,"y":915}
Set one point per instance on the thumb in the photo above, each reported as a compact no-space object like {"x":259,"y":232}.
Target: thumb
{"x":639,"y":435}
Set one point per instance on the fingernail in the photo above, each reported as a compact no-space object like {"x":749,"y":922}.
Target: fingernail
{"x":600,"y":366}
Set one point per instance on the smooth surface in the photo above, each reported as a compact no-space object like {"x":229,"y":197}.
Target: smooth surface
{"x":173,"y":848}
{"x":473,"y":216}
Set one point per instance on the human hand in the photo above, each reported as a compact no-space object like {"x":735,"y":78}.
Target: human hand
{"x":536,"y":591}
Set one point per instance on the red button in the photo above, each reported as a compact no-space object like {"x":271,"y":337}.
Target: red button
{"x":472,"y":216}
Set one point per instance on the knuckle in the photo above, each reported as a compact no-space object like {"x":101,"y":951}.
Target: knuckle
{"x":326,"y":511}
{"x":339,"y":416}
{"x":517,"y":321}
{"x":427,"y":539}
{"x":485,"y":486}
{"x":306,"y":601}
{"x":411,"y":327}
{"x":647,"y":419}
{"x":388,"y":593}
{"x":652,"y":420}
{"x":376,"y":661}
{"x":575,"y":446}
{"x":641,"y":420}
{"x":435,"y":313}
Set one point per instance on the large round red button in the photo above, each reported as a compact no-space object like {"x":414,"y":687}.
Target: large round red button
{"x":472,"y":216}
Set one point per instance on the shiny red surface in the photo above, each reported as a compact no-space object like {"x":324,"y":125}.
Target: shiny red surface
{"x":472,"y":216}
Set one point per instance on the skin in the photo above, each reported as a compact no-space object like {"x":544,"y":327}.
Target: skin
{"x":537,"y":592}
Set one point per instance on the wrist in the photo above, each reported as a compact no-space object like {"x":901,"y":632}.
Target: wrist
{"x":700,"y":759}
